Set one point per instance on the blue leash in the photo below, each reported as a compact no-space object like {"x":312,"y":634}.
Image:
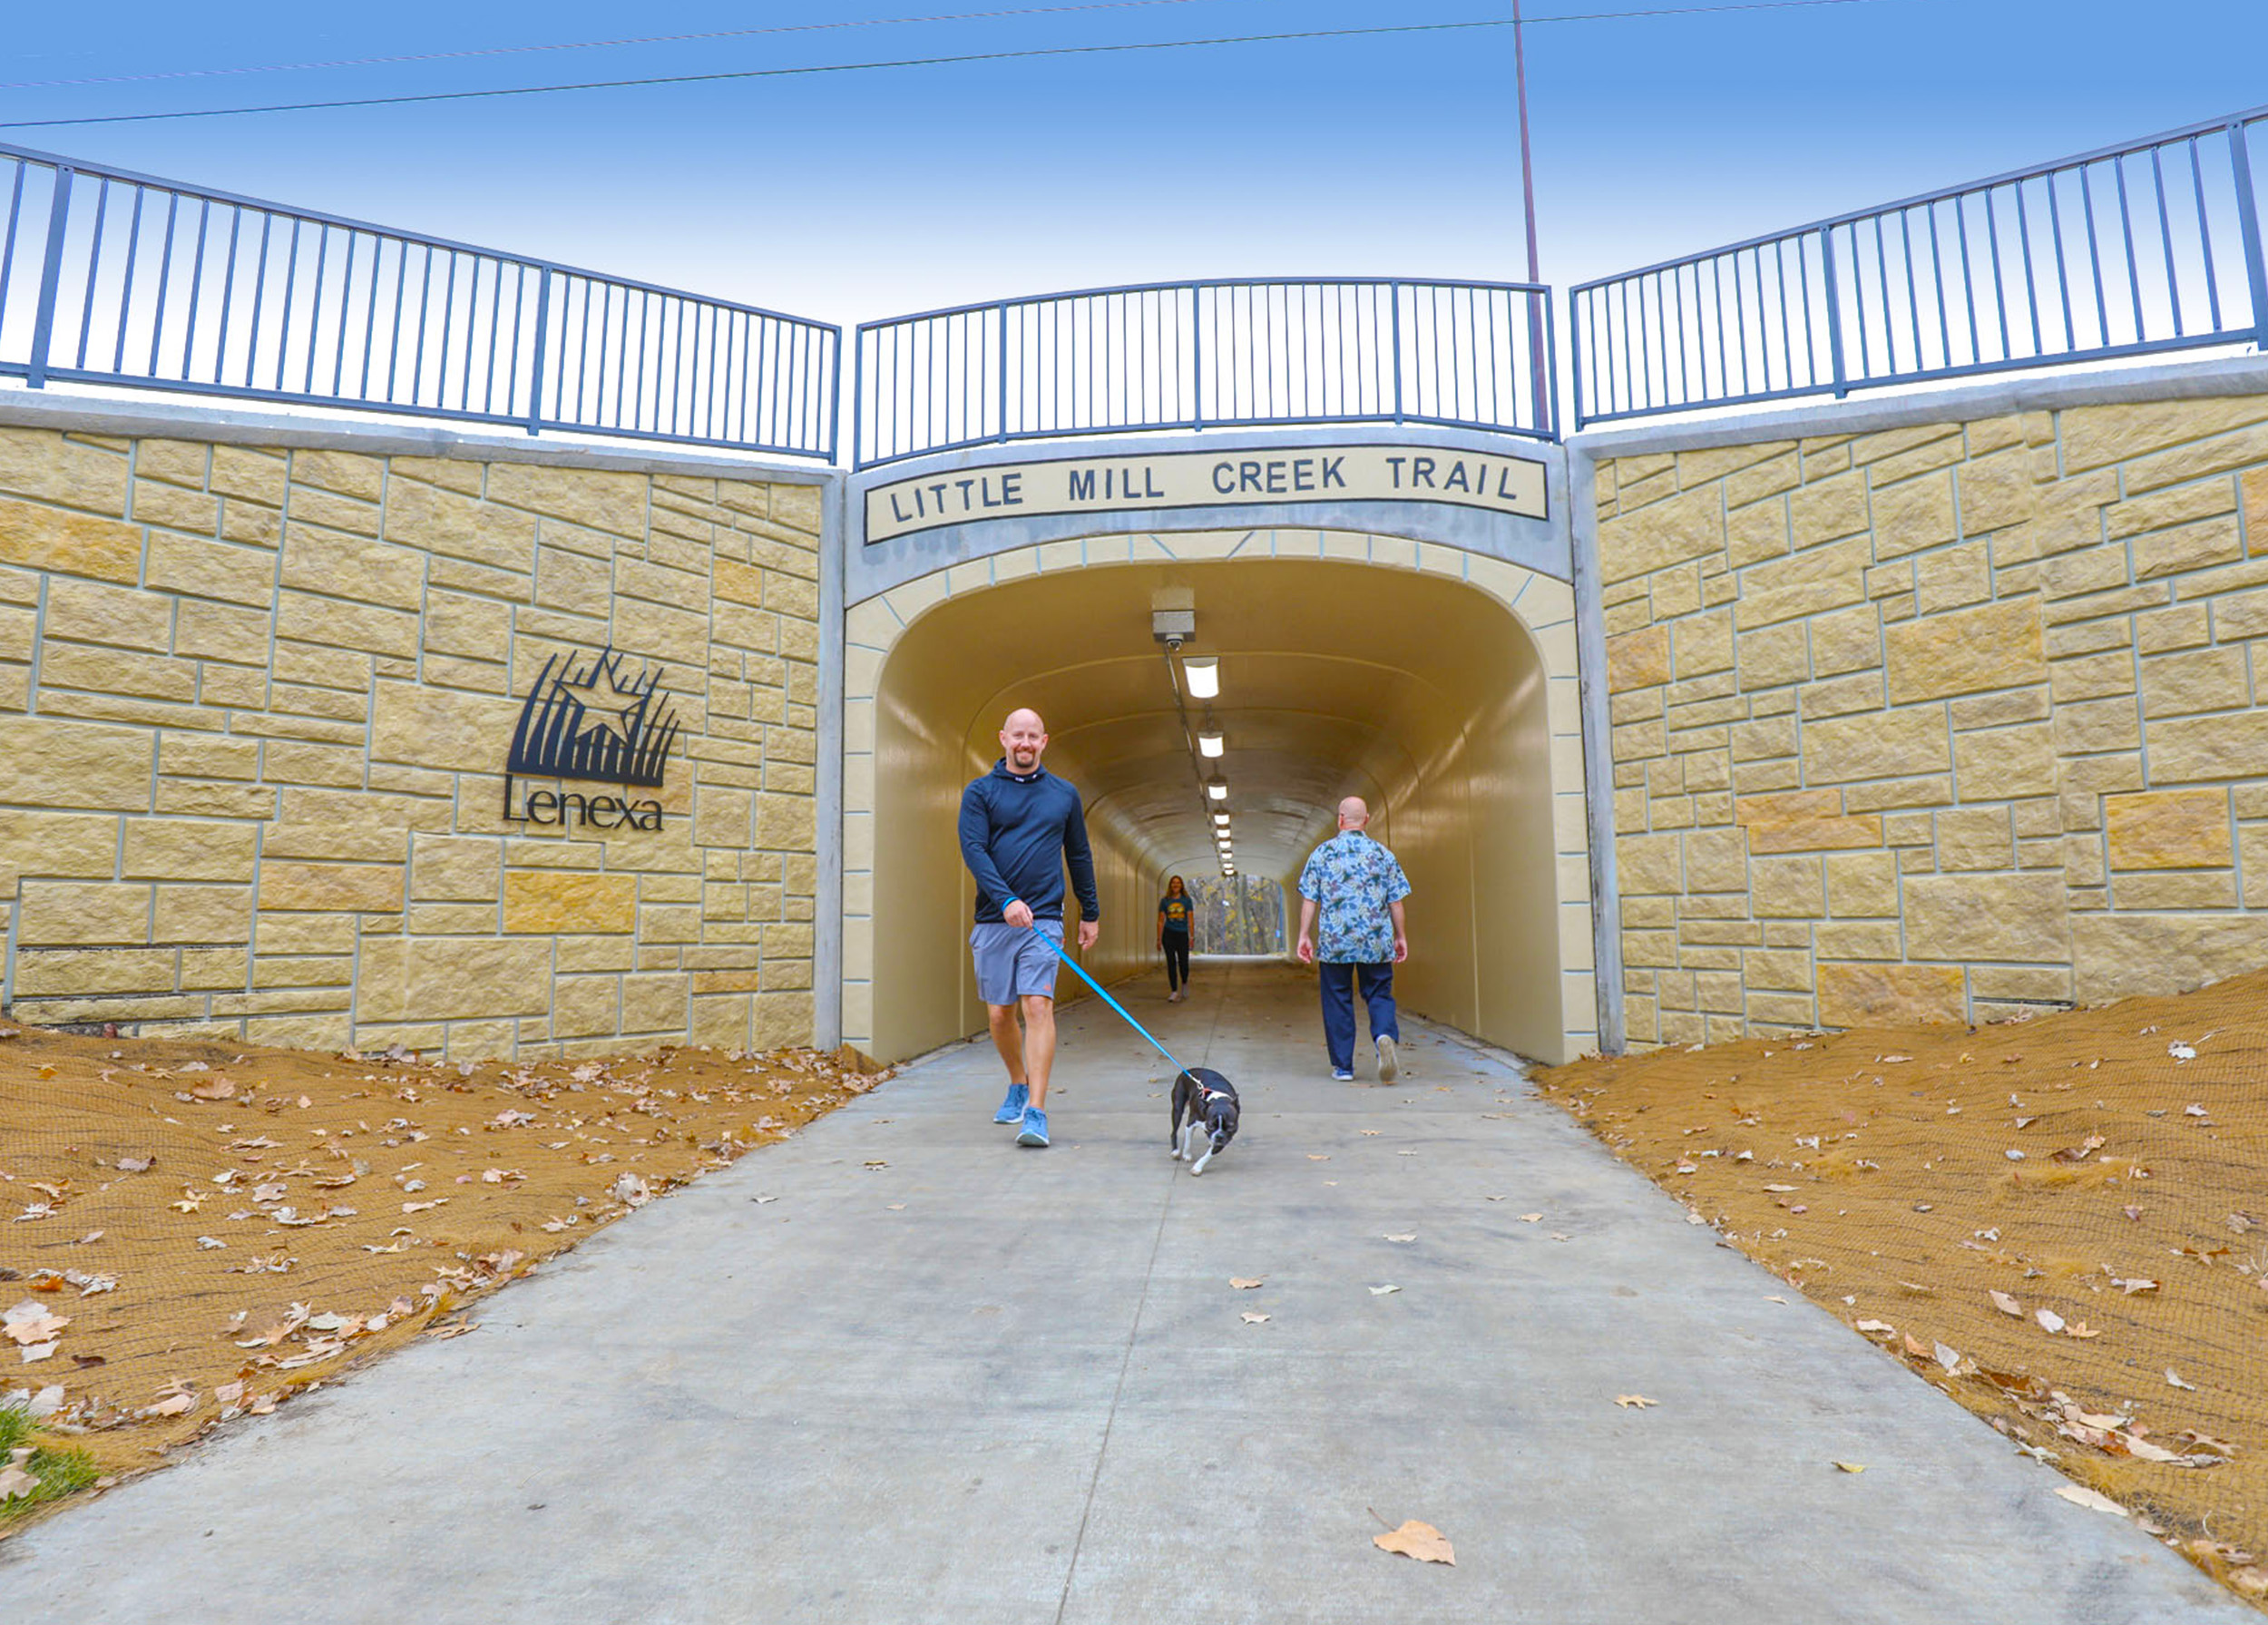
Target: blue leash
{"x":1107,"y":999}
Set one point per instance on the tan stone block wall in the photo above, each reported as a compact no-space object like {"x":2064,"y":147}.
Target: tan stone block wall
{"x":1942,"y":723}
{"x":254,"y":711}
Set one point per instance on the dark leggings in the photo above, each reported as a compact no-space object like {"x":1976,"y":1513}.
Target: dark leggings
{"x":1177,"y":946}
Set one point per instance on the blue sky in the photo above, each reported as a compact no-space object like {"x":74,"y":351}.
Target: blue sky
{"x":852,"y":195}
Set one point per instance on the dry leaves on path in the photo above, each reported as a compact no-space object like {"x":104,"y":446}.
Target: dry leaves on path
{"x":1252,"y":1317}
{"x":1634,"y":1401}
{"x":1246,"y":1283}
{"x":198,"y":1228}
{"x":1420,"y":1541}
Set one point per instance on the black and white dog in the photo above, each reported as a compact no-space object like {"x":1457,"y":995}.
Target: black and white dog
{"x":1208,"y":1102}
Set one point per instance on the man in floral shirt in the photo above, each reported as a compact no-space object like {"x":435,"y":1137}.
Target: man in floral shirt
{"x":1357,"y":886}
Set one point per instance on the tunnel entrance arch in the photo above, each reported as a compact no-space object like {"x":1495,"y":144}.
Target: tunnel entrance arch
{"x":1439,"y":682}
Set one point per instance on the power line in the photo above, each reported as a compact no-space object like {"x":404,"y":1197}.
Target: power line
{"x":646,"y":39}
{"x":911,"y":61}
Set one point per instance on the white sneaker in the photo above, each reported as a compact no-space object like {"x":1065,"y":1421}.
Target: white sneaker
{"x":1389,"y":1064}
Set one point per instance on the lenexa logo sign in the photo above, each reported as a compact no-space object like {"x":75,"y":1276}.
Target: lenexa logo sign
{"x":592,"y":722}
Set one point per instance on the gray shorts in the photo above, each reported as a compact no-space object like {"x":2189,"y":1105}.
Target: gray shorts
{"x":1011,"y":960}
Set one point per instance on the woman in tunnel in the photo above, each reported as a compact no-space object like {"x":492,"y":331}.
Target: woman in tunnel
{"x":1173,"y":936}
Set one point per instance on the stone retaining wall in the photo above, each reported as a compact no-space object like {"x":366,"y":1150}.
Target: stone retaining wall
{"x":1944,"y":723}
{"x":255,"y":706}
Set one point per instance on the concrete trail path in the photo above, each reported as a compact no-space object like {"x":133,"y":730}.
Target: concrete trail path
{"x":985,"y":1384}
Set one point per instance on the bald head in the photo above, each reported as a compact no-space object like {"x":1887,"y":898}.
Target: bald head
{"x":1023,"y":739}
{"x":1353,"y":813}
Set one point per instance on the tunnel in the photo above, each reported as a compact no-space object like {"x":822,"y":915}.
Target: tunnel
{"x":1418,"y":690}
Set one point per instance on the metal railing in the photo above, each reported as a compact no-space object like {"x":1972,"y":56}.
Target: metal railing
{"x":1195,"y":354}
{"x":109,"y":276}
{"x":2147,"y":247}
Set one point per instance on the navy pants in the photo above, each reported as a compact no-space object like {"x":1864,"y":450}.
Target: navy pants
{"x":1338,"y":1008}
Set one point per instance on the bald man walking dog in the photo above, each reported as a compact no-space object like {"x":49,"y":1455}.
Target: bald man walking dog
{"x":1019,"y":825}
{"x":1355,"y":887}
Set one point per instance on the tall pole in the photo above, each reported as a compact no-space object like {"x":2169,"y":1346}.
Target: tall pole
{"x":1528,"y":196}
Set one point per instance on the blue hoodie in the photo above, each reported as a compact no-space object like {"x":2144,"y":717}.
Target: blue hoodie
{"x":1016,"y":829}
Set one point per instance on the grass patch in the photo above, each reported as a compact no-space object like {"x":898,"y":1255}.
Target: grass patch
{"x":59,"y":1473}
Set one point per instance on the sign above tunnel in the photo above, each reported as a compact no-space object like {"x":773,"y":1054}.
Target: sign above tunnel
{"x":1169,"y":481}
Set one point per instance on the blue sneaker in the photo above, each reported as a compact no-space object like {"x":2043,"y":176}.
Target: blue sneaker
{"x":1011,"y":1109}
{"x":1035,"y":1127}
{"x":1339,"y":1074}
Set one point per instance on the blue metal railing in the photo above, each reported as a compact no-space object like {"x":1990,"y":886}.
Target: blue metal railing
{"x":109,"y":276}
{"x":1195,"y":354}
{"x":2147,"y":247}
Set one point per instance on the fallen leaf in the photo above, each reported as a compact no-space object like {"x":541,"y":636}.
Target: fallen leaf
{"x":1382,"y":1291}
{"x":2078,"y":1495}
{"x":2007,"y":1305}
{"x":30,"y":1322}
{"x":1947,"y":1357}
{"x":1880,"y":1328}
{"x":2048,"y":1319}
{"x":135,"y":1164}
{"x":1408,"y":1236}
{"x":15,"y":1481}
{"x":1251,"y":1319}
{"x":1247,"y":1283}
{"x":1531,"y":1219}
{"x":1634,"y":1401}
{"x":1852,"y":1466}
{"x":1420,"y":1541}
{"x":220,"y":1089}
{"x":2173,"y":1379}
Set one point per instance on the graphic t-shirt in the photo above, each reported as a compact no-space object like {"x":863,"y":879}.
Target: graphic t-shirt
{"x":1174,"y":914}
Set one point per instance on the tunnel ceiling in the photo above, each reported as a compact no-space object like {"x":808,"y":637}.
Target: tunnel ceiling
{"x":1331,"y":673}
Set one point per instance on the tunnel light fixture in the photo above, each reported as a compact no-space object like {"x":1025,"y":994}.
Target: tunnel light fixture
{"x":1221,"y":818}
{"x":1211,"y":744}
{"x":1203,"y":674}
{"x":1218,"y":788}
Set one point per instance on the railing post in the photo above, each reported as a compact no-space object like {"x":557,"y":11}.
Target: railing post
{"x":50,"y":276}
{"x":1834,"y":313}
{"x":999,"y":314}
{"x":535,"y":372}
{"x":1540,"y":345}
{"x":1548,"y":386}
{"x":2248,"y":221}
{"x":858,"y":397}
{"x":1395,"y":307}
{"x":1196,"y":358}
{"x":1575,"y":353}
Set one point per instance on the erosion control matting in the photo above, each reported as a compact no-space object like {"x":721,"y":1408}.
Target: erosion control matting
{"x":2062,"y":1222}
{"x":192,"y":1230}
